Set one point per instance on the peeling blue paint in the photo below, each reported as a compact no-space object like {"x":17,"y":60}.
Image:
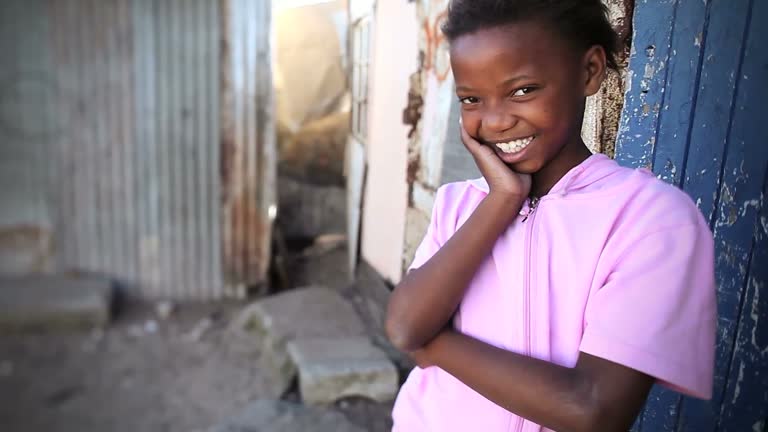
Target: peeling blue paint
{"x":705,"y":63}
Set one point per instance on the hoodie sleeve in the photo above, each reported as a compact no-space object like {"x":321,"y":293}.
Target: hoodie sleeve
{"x":432,"y":241}
{"x":656,"y":312}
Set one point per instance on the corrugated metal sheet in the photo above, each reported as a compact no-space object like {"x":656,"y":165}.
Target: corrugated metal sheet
{"x":26,"y":93}
{"x":137,"y":186}
{"x":247,"y":140}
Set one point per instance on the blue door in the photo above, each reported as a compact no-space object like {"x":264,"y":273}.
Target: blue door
{"x":697,"y":89}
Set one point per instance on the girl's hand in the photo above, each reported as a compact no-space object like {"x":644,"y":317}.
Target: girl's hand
{"x":420,"y":358}
{"x":501,"y":178}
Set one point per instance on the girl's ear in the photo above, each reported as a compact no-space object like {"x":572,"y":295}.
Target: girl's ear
{"x":595,"y":69}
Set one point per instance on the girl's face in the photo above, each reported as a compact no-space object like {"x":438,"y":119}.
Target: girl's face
{"x":522,"y":90}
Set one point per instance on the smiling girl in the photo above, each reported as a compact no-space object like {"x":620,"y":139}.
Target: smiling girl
{"x":552,"y":293}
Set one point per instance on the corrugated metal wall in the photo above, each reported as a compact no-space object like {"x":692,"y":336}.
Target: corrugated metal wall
{"x":249,"y":154}
{"x":27,"y":94}
{"x":129,"y":173}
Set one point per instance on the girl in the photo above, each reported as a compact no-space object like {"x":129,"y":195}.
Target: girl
{"x":552,"y":293}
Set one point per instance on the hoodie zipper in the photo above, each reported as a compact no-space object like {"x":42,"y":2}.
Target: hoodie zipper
{"x":527,"y":270}
{"x":527,"y":345}
{"x":533,"y":203}
{"x":530,"y":217}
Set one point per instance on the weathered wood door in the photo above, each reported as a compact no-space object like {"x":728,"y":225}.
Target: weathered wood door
{"x":694,"y":114}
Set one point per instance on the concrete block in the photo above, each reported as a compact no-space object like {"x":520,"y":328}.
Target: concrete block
{"x":282,"y":416}
{"x":334,"y":368}
{"x":306,"y":313}
{"x":53,"y":303}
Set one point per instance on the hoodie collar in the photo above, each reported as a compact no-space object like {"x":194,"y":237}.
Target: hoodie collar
{"x":593,"y":169}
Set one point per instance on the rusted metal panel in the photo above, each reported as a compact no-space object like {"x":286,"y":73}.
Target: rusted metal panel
{"x":137,"y":153}
{"x":120,"y":173}
{"x":175,"y":168}
{"x":247,"y":140}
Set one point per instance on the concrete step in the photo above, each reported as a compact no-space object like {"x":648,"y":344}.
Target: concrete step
{"x":331,"y":369}
{"x":53,"y":302}
{"x":315,"y":334}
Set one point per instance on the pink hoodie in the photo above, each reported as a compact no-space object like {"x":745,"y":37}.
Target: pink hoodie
{"x":613,"y":262}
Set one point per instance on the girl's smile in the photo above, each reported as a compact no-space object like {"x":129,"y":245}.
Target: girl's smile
{"x":522,"y":89}
{"x":513,"y":151}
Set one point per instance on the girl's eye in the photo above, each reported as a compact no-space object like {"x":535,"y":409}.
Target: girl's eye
{"x":470,"y":100}
{"x":523,"y":91}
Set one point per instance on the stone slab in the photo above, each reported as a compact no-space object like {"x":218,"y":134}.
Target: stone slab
{"x":306,"y":313}
{"x":282,"y":416}
{"x":331,"y":369}
{"x":53,"y":302}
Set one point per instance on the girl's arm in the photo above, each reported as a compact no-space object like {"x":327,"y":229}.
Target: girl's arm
{"x":594,"y":395}
{"x":426,"y":299}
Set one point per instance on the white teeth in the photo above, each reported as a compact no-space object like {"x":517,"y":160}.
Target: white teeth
{"x":515,"y":146}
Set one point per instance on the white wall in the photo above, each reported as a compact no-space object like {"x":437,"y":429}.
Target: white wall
{"x":394,"y":60}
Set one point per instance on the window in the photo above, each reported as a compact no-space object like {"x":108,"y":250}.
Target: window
{"x":361,"y":55}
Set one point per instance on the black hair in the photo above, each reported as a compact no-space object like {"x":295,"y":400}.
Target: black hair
{"x":582,"y":22}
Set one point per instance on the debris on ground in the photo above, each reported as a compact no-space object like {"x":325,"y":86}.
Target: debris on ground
{"x":199,"y":330}
{"x":117,"y":378}
{"x":164,"y":309}
{"x":324,"y":244}
{"x":150,"y":327}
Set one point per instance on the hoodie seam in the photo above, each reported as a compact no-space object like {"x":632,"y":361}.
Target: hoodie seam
{"x":611,"y":190}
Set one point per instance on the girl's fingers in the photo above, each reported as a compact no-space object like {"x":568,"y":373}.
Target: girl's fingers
{"x":480,"y":152}
{"x":470,"y":143}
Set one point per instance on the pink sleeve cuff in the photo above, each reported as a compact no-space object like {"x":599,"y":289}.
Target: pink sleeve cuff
{"x":682,"y":378}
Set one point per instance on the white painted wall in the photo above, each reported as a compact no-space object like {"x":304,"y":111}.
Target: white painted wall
{"x":394,"y":60}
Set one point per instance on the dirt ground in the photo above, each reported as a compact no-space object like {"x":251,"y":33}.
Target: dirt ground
{"x":144,"y":373}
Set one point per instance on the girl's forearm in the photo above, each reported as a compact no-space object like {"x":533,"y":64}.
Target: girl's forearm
{"x":594,"y":395}
{"x":543,"y":392}
{"x":426,"y":299}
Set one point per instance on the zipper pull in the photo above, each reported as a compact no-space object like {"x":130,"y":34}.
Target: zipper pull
{"x":532,"y":204}
{"x":525,"y":215}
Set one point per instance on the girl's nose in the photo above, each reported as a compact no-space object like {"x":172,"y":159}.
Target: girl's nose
{"x":498,"y":121}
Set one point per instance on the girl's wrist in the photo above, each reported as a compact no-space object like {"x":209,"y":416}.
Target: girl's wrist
{"x":505,"y":204}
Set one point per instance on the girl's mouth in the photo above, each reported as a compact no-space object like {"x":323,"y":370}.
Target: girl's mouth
{"x":515,"y":146}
